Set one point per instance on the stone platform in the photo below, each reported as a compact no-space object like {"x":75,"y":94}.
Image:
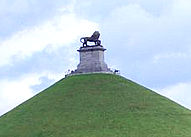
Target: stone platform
{"x":92,"y":60}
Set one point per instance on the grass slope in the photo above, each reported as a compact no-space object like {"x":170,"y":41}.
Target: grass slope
{"x":97,"y":105}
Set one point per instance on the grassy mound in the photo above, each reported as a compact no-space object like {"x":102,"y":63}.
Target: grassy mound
{"x":97,"y":105}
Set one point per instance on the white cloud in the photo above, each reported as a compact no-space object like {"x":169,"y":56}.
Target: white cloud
{"x":180,"y":93}
{"x":177,"y":55}
{"x":17,"y":6}
{"x":12,"y":93}
{"x":53,"y":76}
{"x":60,"y":31}
{"x":151,"y":47}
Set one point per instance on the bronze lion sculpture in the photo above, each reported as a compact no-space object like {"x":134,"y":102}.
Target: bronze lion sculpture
{"x":94,"y":38}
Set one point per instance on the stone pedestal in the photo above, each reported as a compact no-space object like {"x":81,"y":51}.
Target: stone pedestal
{"x":92,"y":60}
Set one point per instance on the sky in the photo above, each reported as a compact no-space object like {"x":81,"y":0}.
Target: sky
{"x":149,"y":41}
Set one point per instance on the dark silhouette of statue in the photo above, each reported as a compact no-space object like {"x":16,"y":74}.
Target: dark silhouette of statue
{"x":94,"y":38}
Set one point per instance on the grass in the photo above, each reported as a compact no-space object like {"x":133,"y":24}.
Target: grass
{"x":97,"y":105}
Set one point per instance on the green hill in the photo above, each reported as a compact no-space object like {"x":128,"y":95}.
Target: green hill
{"x":97,"y":105}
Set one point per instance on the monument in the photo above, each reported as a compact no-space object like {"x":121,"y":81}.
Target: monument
{"x":91,"y":57}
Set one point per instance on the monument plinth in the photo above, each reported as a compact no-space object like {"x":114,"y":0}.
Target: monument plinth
{"x":92,"y":57}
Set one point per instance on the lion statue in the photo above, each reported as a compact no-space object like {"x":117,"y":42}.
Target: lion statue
{"x":94,"y":38}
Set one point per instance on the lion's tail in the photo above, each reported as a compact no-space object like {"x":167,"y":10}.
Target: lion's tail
{"x":82,"y":39}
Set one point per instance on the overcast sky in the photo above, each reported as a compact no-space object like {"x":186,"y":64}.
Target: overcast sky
{"x":148,"y":40}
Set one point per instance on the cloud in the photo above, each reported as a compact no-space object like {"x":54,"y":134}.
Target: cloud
{"x":55,"y":33}
{"x":180,"y":93}
{"x":173,"y":55}
{"x":19,"y":14}
{"x":148,"y":44}
{"x":12,"y":93}
{"x":104,"y":7}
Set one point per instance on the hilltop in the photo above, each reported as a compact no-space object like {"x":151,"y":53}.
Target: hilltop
{"x":97,"y":105}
